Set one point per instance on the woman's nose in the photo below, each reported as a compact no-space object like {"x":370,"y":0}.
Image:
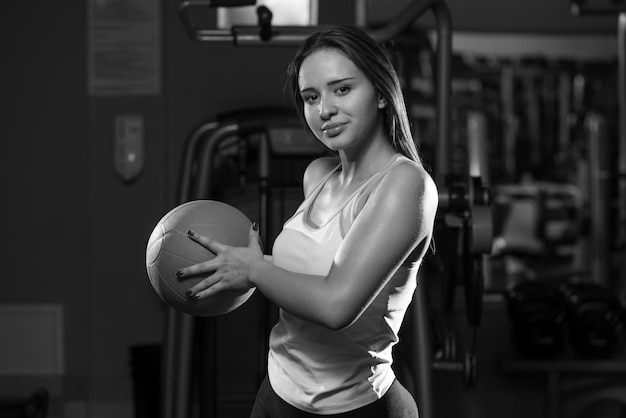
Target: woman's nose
{"x":327,"y":109}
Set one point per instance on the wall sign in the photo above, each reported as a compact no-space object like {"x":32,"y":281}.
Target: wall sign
{"x":124,"y":47}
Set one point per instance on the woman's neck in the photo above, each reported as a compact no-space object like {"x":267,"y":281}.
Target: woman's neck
{"x":356,"y":167}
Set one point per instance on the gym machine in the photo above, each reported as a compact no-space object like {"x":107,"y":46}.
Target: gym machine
{"x":465,"y":199}
{"x":587,"y":298}
{"x":592,"y":207}
{"x":597,"y":127}
{"x":237,"y":137}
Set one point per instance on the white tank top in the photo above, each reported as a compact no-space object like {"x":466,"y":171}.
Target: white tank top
{"x":326,"y":371}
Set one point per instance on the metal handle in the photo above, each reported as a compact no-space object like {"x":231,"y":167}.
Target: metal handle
{"x":292,"y":35}
{"x":581,"y":8}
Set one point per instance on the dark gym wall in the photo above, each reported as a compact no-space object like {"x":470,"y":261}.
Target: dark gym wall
{"x":77,"y":232}
{"x":45,"y":163}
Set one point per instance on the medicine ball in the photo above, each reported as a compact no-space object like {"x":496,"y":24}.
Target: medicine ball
{"x":170,"y":249}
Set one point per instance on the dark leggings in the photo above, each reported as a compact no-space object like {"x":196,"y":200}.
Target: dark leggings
{"x":396,"y":403}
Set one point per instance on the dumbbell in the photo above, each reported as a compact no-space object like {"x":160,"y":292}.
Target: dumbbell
{"x":537,"y":314}
{"x":594,"y":318}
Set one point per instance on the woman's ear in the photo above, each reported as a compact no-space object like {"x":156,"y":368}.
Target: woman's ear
{"x":382,"y":103}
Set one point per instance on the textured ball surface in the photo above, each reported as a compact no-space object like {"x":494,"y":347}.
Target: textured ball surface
{"x":169,"y":249}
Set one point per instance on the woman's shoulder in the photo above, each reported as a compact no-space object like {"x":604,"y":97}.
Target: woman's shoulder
{"x":316,"y":171}
{"x":408,"y":180}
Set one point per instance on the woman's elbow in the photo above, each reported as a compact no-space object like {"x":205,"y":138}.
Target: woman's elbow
{"x":339,"y":307}
{"x":339,"y":317}
{"x":336,"y":324}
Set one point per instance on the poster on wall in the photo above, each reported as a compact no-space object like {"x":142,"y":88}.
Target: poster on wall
{"x":124,"y":48}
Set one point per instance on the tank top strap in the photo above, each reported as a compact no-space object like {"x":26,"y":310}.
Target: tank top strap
{"x":373,"y":181}
{"x":351,"y":207}
{"x":308,"y":199}
{"x":322,"y":182}
{"x":347,"y":212}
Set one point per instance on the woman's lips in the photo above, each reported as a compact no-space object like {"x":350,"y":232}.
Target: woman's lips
{"x":333,"y":129}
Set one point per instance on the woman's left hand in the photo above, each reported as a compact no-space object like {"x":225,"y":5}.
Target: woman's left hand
{"x":229,"y":270}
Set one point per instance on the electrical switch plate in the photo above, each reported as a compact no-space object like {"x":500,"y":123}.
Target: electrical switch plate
{"x":129,"y":148}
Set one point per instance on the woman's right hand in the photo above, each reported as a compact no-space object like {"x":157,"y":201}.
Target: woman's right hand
{"x":229,"y":270}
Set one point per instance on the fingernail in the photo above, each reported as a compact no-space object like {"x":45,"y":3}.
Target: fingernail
{"x":190,"y":233}
{"x":189,"y":293}
{"x":179,"y":273}
{"x":255,"y":226}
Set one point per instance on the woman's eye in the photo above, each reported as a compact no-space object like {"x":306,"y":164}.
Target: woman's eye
{"x":310,"y":98}
{"x":343,"y":90}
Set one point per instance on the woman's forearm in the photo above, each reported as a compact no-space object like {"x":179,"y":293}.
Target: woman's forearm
{"x":305,"y":295}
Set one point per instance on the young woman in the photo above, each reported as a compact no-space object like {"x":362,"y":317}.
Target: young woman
{"x":343,"y":270}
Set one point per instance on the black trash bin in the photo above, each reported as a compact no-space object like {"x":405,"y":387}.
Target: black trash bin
{"x":146,"y":369}
{"x":34,"y":406}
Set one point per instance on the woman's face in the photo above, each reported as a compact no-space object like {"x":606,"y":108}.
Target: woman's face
{"x":341,"y":105}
